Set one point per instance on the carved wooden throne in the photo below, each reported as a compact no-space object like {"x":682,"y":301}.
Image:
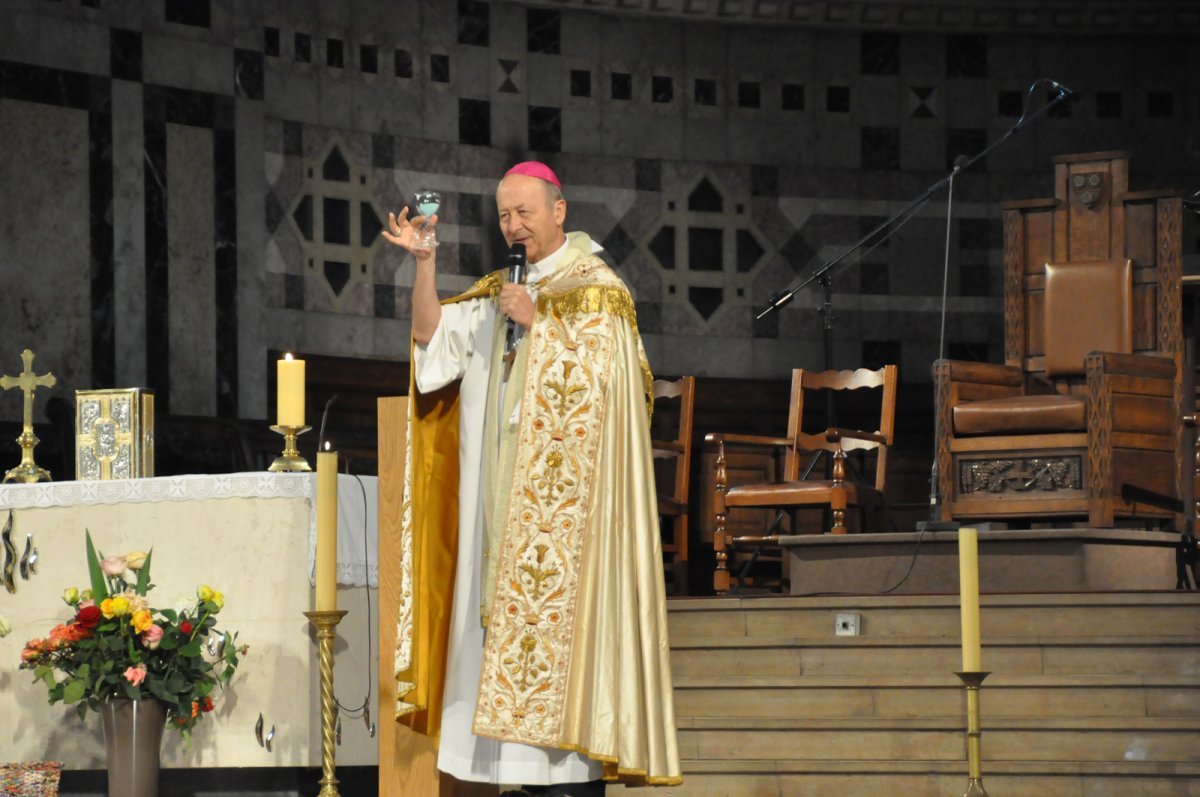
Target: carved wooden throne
{"x":1082,"y":420}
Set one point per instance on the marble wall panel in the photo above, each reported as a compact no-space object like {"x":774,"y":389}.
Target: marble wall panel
{"x":205,"y":66}
{"x":191,"y":280}
{"x":729,"y":357}
{"x":583,"y":127}
{"x":252,"y":187}
{"x":291,"y":95}
{"x":67,"y":43}
{"x":801,"y":169}
{"x":129,"y":234}
{"x":45,"y":249}
{"x":544,"y":74}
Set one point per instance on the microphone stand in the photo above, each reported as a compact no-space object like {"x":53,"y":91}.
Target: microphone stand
{"x":885,"y":230}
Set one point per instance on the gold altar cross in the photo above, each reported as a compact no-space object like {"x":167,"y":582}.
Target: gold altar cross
{"x":28,"y":381}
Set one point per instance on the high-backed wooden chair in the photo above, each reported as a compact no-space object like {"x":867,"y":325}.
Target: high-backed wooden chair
{"x":794,"y":492}
{"x":1082,"y":422}
{"x":674,"y":401}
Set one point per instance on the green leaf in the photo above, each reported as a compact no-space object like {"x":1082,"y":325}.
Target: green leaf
{"x":143,"y":576}
{"x":84,"y":670}
{"x":81,"y":710}
{"x":73,"y":691}
{"x":99,"y":586}
{"x":190,"y":649}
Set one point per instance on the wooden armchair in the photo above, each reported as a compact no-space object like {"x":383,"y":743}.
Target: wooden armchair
{"x":677,"y":400}
{"x":794,"y":491}
{"x":1082,"y":420}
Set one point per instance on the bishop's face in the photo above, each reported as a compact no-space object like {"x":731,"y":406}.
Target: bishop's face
{"x":529,"y":216}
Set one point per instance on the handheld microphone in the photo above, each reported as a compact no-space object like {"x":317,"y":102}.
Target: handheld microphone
{"x":516,"y":275}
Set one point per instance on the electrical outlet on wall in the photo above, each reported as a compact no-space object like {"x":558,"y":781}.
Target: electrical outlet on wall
{"x":847,"y":625}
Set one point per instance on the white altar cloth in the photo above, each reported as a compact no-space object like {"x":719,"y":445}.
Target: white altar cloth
{"x":358,"y":506}
{"x":249,"y":535}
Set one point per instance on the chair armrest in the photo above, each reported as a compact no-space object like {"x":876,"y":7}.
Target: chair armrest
{"x":1149,"y":366}
{"x":747,"y":439}
{"x":980,"y":373}
{"x":667,"y":445}
{"x":835,"y":434}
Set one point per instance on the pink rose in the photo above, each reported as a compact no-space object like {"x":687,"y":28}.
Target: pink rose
{"x":83,"y":604}
{"x":113,"y":566}
{"x":135,"y":675}
{"x":152,"y":637}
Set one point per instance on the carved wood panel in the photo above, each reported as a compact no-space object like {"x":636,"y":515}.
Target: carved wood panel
{"x":1006,"y":475}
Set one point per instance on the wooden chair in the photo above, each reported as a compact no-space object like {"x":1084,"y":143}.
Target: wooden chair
{"x":794,"y":492}
{"x":1082,"y":420}
{"x":674,"y":401}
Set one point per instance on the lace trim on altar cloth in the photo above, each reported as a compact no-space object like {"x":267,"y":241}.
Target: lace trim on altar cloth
{"x":160,"y":488}
{"x":358,"y":529}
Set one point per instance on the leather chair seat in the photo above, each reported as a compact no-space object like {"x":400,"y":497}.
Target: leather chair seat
{"x":776,"y":494}
{"x":1021,"y":415}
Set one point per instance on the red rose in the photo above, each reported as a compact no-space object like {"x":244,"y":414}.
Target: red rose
{"x":206,"y":704}
{"x":185,"y":627}
{"x":89,"y":617}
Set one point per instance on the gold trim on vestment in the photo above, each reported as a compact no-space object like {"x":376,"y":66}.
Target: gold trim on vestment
{"x":530,"y":630}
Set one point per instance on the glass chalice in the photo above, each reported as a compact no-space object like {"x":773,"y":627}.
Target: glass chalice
{"x":427,"y":203}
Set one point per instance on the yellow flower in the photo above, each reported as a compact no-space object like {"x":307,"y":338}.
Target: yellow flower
{"x":207,"y":594}
{"x":141,"y":620}
{"x":135,"y":559}
{"x":86,"y":595}
{"x":137,"y":602}
{"x":116,"y":606}
{"x":70,"y":596}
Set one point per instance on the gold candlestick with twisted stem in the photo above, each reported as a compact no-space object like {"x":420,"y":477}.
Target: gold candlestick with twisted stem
{"x":326,"y":624}
{"x":972,"y":681}
{"x":290,"y":460}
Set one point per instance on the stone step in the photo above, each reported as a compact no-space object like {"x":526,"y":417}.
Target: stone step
{"x":759,"y":778}
{"x":864,"y":655}
{"x":894,"y":696}
{"x":1114,"y":614}
{"x":1166,"y":740}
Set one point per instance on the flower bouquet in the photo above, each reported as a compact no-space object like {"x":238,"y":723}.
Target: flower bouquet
{"x":116,"y":645}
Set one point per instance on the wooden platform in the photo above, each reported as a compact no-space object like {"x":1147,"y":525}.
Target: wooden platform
{"x":1039,"y":560}
{"x":1089,"y":696}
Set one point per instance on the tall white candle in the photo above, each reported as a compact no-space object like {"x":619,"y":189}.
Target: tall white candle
{"x":326,"y":556}
{"x":968,"y":585}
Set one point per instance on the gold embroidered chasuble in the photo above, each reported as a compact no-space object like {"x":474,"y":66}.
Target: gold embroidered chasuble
{"x":575,"y":653}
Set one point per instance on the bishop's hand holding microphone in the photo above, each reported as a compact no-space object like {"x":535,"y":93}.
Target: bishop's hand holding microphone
{"x":516,"y":276}
{"x":516,"y":304}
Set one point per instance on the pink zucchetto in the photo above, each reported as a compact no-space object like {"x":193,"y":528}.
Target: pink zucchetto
{"x":536,"y":169}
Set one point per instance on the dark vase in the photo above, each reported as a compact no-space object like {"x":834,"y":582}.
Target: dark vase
{"x":133,"y":731}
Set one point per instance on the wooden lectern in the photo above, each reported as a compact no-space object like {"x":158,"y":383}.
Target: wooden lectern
{"x":407,"y":760}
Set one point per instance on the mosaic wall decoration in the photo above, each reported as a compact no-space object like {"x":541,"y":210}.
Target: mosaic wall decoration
{"x":716,"y":163}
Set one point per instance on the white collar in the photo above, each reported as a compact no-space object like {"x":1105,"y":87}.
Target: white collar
{"x":547,"y":264}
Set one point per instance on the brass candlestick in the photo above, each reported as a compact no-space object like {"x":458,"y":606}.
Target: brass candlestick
{"x":290,"y":459}
{"x":972,"y":682}
{"x":27,"y":471}
{"x":326,"y":624}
